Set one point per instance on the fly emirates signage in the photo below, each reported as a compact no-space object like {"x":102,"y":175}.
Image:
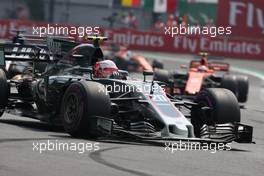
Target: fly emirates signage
{"x":245,"y":17}
{"x":239,"y":47}
{"x":154,"y":41}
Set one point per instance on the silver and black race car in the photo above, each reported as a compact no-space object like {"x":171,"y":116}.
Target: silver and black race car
{"x":68,"y":93}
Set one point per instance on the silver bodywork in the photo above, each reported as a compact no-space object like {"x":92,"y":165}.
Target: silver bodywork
{"x":163,"y":110}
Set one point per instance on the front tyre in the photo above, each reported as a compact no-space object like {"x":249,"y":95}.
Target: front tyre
{"x":81,"y":101}
{"x":243,"y":86}
{"x":4,"y":91}
{"x":215,"y":106}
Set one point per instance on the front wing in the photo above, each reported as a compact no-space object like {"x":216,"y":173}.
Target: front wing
{"x":221,"y":133}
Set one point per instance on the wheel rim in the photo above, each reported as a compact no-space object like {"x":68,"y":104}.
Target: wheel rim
{"x":71,"y":109}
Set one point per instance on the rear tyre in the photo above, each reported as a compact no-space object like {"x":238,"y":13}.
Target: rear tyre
{"x":157,"y":64}
{"x":41,"y":67}
{"x":229,"y":82}
{"x":3,"y":91}
{"x":223,"y":108}
{"x":81,"y":101}
{"x":243,"y":86}
{"x":162,"y":75}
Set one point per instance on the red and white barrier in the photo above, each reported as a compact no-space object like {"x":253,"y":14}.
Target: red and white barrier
{"x":157,"y":41}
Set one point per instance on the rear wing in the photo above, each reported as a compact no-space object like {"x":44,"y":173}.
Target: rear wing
{"x":214,"y":65}
{"x":27,"y":53}
{"x":219,"y":66}
{"x":53,"y":49}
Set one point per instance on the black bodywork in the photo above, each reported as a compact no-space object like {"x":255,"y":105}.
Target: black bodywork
{"x":41,"y":84}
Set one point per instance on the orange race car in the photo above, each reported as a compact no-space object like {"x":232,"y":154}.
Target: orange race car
{"x":203,"y":74}
{"x":129,"y":61}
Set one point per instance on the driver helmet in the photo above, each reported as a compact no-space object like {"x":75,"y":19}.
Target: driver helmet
{"x":202,"y":68}
{"x":104,"y":69}
{"x":204,"y":61}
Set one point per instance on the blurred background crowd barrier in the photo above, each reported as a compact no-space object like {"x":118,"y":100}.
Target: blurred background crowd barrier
{"x":139,"y":24}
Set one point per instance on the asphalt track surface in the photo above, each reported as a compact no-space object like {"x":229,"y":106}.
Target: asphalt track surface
{"x":18,"y":136}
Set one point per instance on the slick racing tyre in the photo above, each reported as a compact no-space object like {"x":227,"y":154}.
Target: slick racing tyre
{"x":3,"y":91}
{"x":215,"y":106}
{"x":157,"y":64}
{"x":162,"y":76}
{"x":243,"y":86}
{"x":81,"y":101}
{"x":229,"y":82}
{"x":40,"y":67}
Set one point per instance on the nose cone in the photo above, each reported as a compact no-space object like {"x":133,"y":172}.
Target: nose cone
{"x":179,"y":127}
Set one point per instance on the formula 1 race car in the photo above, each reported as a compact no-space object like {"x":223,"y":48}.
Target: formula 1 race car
{"x":204,"y":74}
{"x":69,"y":93}
{"x":127,"y":60}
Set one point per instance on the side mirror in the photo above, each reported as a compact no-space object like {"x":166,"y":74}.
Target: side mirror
{"x":147,"y":73}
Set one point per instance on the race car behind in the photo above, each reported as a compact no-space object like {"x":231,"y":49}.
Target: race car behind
{"x":127,"y":60}
{"x":203,"y":74}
